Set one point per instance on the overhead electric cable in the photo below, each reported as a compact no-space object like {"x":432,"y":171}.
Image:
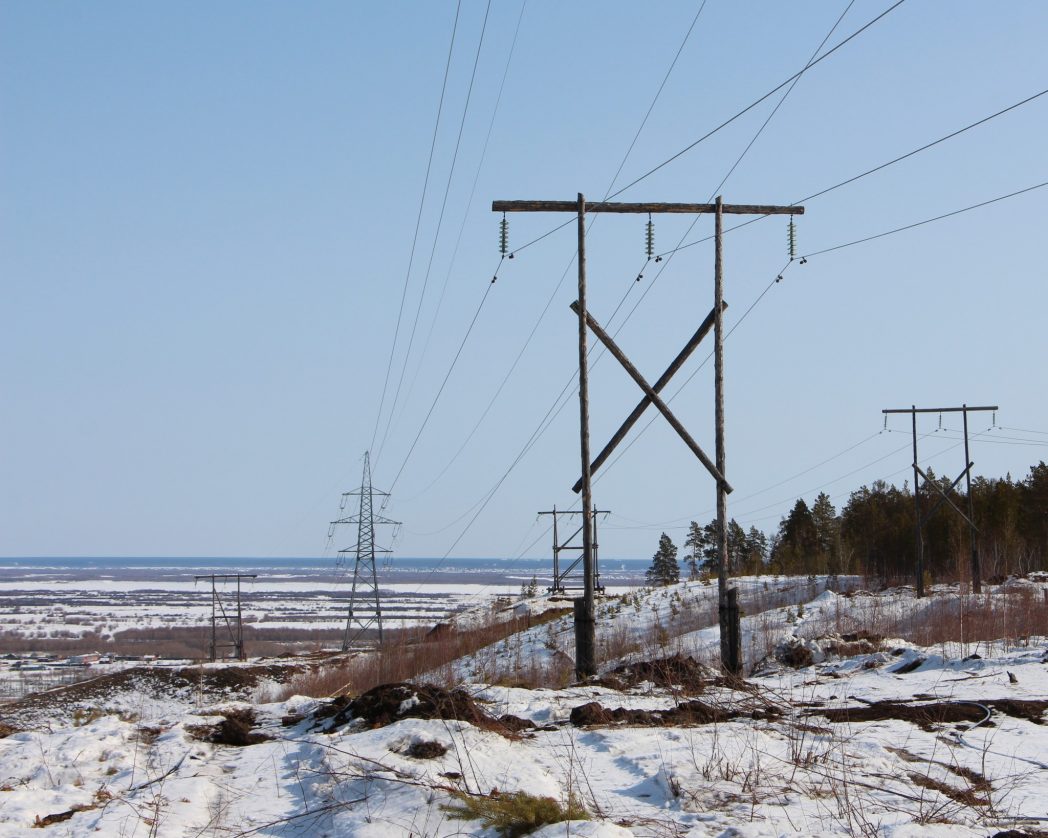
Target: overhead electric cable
{"x":549,"y":302}
{"x":418,"y":224}
{"x":792,"y":477}
{"x":665,"y":264}
{"x":926,"y":221}
{"x":871,"y":171}
{"x":655,"y":99}
{"x":443,"y":384}
{"x":436,"y":235}
{"x":1022,"y":430}
{"x":756,"y":102}
{"x":779,"y":104}
{"x":472,"y":191}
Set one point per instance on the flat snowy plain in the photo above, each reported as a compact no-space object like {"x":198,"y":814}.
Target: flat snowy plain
{"x":960,"y":750}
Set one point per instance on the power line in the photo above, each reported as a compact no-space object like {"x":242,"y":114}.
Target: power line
{"x":850,"y":491}
{"x":1022,"y":430}
{"x":875,"y":169}
{"x":443,"y":384}
{"x":560,"y":282}
{"x":655,"y":99}
{"x":472,"y":191}
{"x":926,"y":221}
{"x":436,"y":234}
{"x":924,"y":147}
{"x":754,"y":104}
{"x":735,"y":165}
{"x":779,"y":104}
{"x":418,"y":224}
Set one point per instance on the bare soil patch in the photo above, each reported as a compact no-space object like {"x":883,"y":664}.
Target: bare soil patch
{"x":684,"y":714}
{"x":678,"y":673}
{"x":389,"y":703}
{"x":927,"y":715}
{"x":236,"y":729}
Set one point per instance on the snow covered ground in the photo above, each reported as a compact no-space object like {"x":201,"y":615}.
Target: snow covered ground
{"x":876,"y":736}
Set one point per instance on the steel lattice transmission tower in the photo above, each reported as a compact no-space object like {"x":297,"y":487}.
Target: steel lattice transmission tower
{"x":365,"y":603}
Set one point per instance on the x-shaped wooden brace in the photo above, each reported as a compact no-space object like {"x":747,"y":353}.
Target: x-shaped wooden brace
{"x":945,"y":498}
{"x":651,"y":396}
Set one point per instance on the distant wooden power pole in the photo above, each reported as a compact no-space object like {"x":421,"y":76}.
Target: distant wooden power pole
{"x":918,"y":473}
{"x":234,"y":624}
{"x":585,"y":634}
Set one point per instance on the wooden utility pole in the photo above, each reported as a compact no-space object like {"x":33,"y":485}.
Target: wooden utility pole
{"x":561,"y":577}
{"x":234,"y":625}
{"x":585,"y":608}
{"x":585,"y":639}
{"x":918,"y":473}
{"x":731,"y":654}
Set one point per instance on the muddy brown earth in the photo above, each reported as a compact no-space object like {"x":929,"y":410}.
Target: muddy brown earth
{"x":389,"y":703}
{"x":927,"y":715}
{"x":677,"y":673}
{"x":684,"y":714}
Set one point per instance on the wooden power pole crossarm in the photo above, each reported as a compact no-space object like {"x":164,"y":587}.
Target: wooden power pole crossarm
{"x":609,"y":206}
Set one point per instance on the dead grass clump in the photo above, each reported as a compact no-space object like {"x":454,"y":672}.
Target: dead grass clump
{"x":425,"y":750}
{"x":675,"y":672}
{"x":319,"y":681}
{"x":147,"y":735}
{"x":58,"y":817}
{"x":793,"y":652}
{"x":966,"y":797}
{"x":910,"y":666}
{"x":853,"y":643}
{"x":515,"y":814}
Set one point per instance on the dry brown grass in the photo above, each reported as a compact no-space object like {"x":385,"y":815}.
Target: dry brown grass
{"x":1009,"y":615}
{"x":414,"y":654}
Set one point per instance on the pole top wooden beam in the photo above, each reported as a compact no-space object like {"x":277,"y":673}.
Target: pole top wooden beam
{"x":612,"y":206}
{"x":941,"y":409}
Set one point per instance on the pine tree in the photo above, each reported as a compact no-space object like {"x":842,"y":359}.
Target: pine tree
{"x":827,"y":529}
{"x":798,"y":543}
{"x":756,"y":551}
{"x":711,"y":552}
{"x":736,"y":547}
{"x":664,"y":569}
{"x":696,"y":545}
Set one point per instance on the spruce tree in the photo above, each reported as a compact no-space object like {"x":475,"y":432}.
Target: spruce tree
{"x":664,"y":569}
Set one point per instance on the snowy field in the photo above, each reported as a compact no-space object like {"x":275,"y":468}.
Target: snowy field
{"x":71,"y":599}
{"x":838,"y":731}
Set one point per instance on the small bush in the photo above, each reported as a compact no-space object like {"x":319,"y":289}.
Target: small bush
{"x":515,"y":814}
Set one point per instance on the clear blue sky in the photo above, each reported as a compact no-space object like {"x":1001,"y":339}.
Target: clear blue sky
{"x":207,"y":211}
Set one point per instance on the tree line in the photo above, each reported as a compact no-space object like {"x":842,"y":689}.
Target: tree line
{"x":873,"y":534}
